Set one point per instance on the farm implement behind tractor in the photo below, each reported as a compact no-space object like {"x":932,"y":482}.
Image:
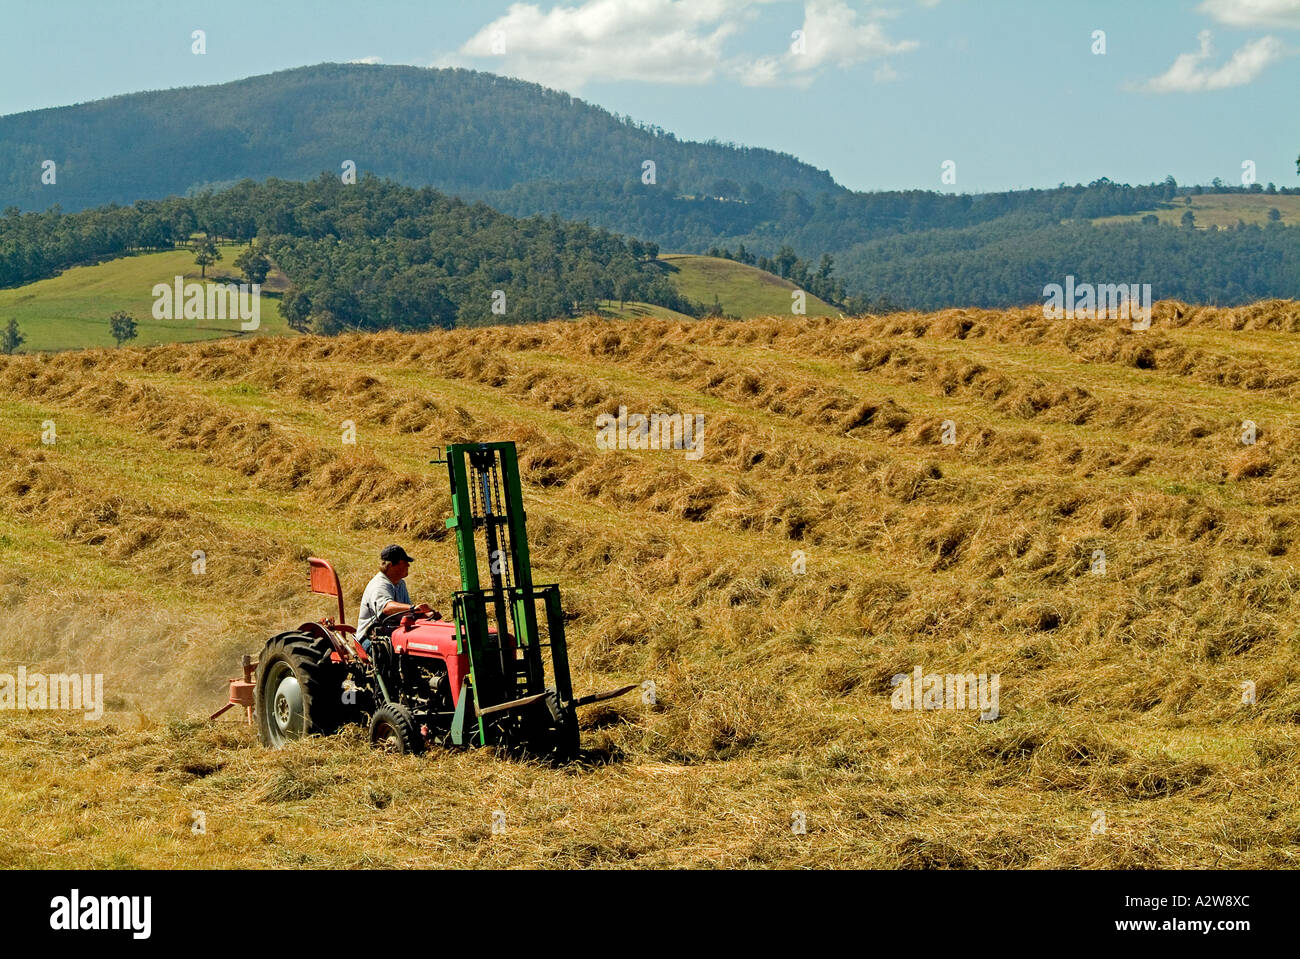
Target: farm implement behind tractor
{"x":479,"y":680}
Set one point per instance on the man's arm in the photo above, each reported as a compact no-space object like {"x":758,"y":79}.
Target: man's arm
{"x":391,"y":591}
{"x":392,"y":606}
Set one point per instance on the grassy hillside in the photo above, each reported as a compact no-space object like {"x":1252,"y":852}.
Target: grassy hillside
{"x":71,"y":311}
{"x":1221,"y":210}
{"x":743,"y":291}
{"x":1121,"y":692}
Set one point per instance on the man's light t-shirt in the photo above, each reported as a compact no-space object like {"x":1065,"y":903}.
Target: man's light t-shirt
{"x":380,"y":591}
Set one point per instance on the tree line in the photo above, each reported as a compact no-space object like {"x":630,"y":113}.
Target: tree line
{"x":1009,"y":261}
{"x":378,"y":255}
{"x":365,"y":256}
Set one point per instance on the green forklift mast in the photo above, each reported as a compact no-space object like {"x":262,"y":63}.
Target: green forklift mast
{"x":496,"y":610}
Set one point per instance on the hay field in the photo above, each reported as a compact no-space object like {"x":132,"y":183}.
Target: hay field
{"x":1122,"y":740}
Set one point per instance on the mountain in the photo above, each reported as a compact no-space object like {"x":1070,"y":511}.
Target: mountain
{"x":455,"y":130}
{"x":525,"y":150}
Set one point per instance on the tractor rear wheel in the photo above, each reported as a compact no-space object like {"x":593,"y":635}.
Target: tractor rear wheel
{"x":297,"y":691}
{"x":394,"y":730}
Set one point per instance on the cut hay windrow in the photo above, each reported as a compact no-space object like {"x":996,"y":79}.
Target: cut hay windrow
{"x":1098,"y":537}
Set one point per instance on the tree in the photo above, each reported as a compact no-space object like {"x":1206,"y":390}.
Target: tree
{"x":11,"y":339}
{"x":624,"y":287}
{"x":122,"y":325}
{"x":205,"y":254}
{"x":785,"y":260}
{"x":1274,"y":215}
{"x":322,"y":322}
{"x":296,"y":310}
{"x":253,"y":263}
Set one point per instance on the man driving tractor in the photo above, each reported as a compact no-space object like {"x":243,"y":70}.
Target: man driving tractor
{"x":386,"y":593}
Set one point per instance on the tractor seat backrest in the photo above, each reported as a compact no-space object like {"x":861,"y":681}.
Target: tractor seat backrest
{"x":326,"y":582}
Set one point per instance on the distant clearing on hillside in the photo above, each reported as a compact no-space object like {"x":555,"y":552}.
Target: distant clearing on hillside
{"x":1221,"y":210}
{"x":71,"y":311}
{"x":741,"y":290}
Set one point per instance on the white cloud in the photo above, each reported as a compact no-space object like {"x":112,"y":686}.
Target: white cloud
{"x":1190,"y":73}
{"x":1254,"y":13}
{"x":832,"y":33}
{"x":665,"y":41}
{"x":368,"y":60}
{"x":656,"y":41}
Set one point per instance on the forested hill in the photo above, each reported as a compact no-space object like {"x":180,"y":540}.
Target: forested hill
{"x":454,"y":130}
{"x":368,"y":256}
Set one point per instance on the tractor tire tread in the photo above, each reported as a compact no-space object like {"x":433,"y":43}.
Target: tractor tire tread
{"x":308,"y":656}
{"x":403,"y":722}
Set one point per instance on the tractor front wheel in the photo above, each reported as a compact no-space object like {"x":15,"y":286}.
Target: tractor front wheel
{"x":393,"y":729}
{"x":298,"y":691}
{"x":568,"y":743}
{"x":558,"y":740}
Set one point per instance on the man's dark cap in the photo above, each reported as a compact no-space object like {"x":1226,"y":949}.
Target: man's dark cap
{"x":394,"y":554}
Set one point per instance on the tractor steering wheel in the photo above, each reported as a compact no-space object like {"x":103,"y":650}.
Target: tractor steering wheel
{"x":386,"y":624}
{"x":393,"y":620}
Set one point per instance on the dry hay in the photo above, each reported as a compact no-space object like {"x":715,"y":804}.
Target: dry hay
{"x":1120,"y":692}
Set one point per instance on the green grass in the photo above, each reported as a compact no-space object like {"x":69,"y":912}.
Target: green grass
{"x":638,"y":311}
{"x":743,"y":291}
{"x":71,"y":311}
{"x":1220,"y":209}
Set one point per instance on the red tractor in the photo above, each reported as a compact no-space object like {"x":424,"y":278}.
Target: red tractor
{"x":479,"y":679}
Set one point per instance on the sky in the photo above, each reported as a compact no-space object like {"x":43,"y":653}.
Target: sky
{"x":997,"y":94}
